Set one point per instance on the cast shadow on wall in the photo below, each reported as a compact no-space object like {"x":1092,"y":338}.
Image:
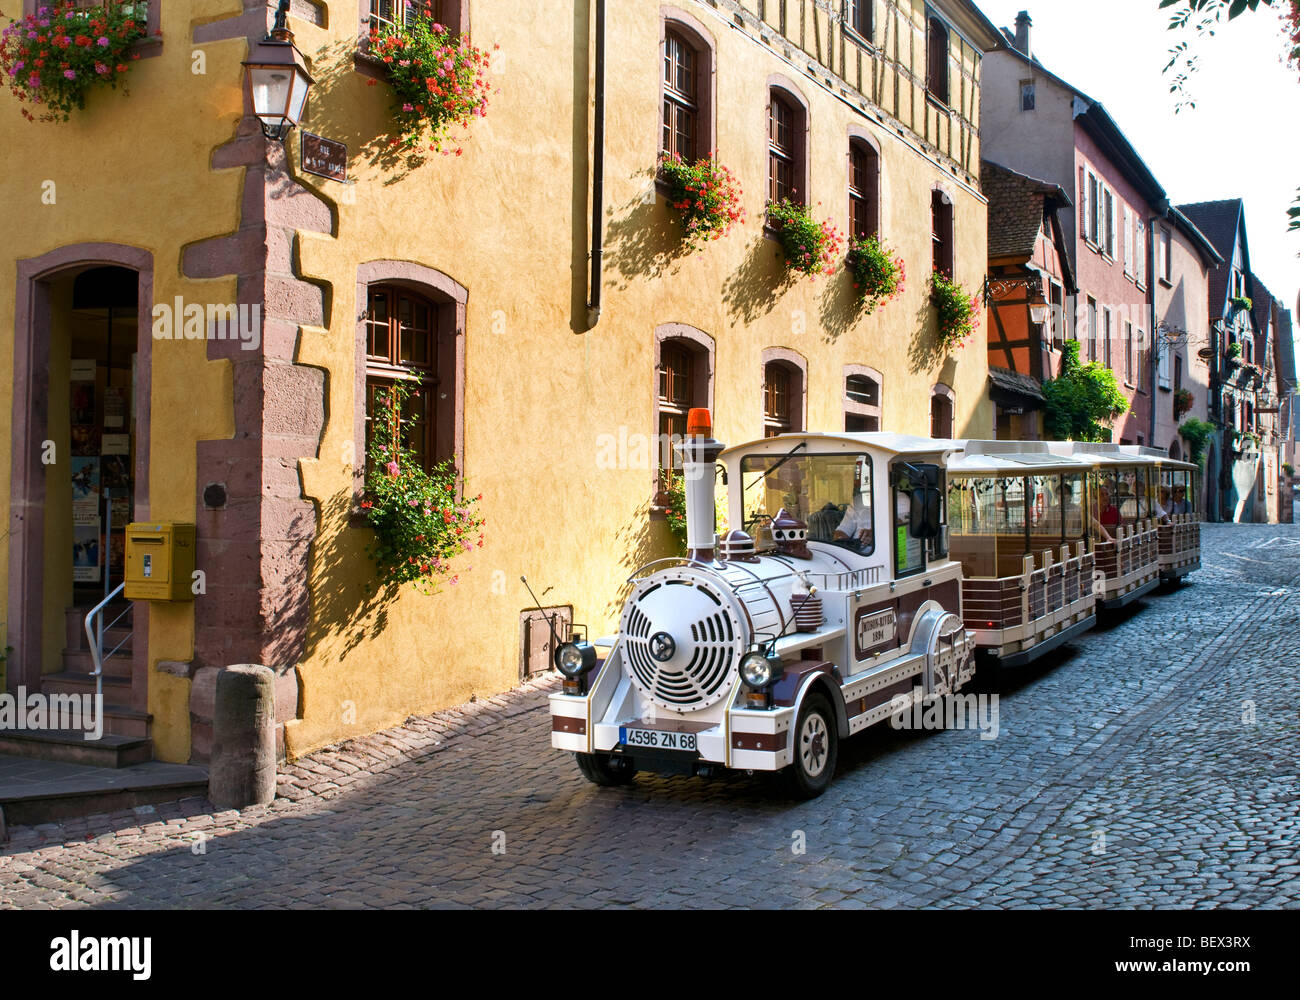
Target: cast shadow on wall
{"x":752,"y":290}
{"x":644,"y":238}
{"x":639,"y":541}
{"x":349,"y":605}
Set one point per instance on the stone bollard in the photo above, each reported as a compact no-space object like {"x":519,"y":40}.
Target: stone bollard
{"x":242,"y":772}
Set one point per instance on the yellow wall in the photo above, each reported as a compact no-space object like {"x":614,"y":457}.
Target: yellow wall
{"x":509,"y":221}
{"x":502,"y":220}
{"x":133,"y":170}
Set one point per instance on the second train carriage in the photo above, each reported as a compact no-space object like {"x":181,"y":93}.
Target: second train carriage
{"x":1017,"y":522}
{"x":1177,"y":509}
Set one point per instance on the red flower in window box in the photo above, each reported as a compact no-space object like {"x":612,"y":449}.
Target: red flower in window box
{"x":708,"y":196}
{"x":26,"y":43}
{"x":417,"y":517}
{"x":811,"y":247}
{"x":459,"y":82}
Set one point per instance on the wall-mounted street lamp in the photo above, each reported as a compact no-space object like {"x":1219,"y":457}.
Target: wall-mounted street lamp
{"x":278,"y":79}
{"x":1039,"y":309}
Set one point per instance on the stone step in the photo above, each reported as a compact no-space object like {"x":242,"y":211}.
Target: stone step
{"x":75,"y":623}
{"x":79,"y":661}
{"x":117,"y":689}
{"x":72,"y":747}
{"x":46,"y":791}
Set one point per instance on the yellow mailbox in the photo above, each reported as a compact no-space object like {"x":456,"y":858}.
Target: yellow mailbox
{"x":159,"y":562}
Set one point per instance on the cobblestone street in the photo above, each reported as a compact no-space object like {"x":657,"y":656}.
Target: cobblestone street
{"x":1153,"y":764}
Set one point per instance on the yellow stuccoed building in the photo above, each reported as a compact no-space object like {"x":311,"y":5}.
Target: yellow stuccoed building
{"x":134,"y":224}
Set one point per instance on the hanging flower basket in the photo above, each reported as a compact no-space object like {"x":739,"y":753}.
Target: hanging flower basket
{"x":438,"y":78}
{"x":878,"y":275}
{"x":959,"y":312}
{"x":423,"y":522}
{"x":811,"y":247}
{"x":706,"y":193}
{"x":1182,"y":403}
{"x":56,"y":56}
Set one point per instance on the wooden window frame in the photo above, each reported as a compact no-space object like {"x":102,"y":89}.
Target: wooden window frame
{"x":694,"y":35}
{"x":940,"y":95}
{"x":700,"y":348}
{"x":794,"y":368}
{"x":779,"y":88}
{"x":868,"y":197}
{"x":449,"y":301}
{"x":943,"y":234}
{"x":860,"y":19}
{"x":944,"y":393}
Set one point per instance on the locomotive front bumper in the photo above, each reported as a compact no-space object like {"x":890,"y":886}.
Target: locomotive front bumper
{"x":745,"y":739}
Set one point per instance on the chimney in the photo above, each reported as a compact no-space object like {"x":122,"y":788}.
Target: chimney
{"x":1023,"y":27}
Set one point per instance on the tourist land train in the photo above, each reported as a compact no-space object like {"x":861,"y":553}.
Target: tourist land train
{"x":869,"y":571}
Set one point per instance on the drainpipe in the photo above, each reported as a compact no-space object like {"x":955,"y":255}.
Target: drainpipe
{"x":597,"y":175}
{"x":1152,"y":278}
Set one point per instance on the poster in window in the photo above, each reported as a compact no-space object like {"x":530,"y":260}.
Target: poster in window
{"x":85,"y":440}
{"x":83,"y":391}
{"x":115,"y":471}
{"x":85,"y":479}
{"x":85,"y":553}
{"x":114,"y":407}
{"x":116,"y":444}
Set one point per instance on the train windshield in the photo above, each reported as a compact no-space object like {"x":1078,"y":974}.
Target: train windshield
{"x":831,"y":494}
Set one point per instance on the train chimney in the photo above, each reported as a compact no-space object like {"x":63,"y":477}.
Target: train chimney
{"x":1024,"y":27}
{"x":699,"y":454}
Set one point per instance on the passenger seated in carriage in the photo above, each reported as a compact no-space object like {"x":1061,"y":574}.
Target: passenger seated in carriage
{"x":1181,"y":506}
{"x":1105,"y":515}
{"x":1164,"y":507}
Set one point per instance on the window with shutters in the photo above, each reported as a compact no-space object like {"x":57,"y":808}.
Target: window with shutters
{"x":937,"y":58}
{"x":1028,"y":95}
{"x":777,"y":400}
{"x":1105,"y":336}
{"x":1128,"y":241}
{"x":864,"y":189}
{"x":681,"y":119}
{"x":1094,"y":332}
{"x":1059,"y":319}
{"x":1108,"y":221}
{"x":1166,"y":256}
{"x":1140,"y":253}
{"x":1128,"y":351}
{"x":1092,"y":204}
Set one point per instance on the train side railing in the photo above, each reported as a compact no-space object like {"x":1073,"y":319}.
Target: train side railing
{"x":1013,"y":613}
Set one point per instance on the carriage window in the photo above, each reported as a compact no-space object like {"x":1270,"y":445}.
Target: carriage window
{"x":1072,"y":506}
{"x":1109,"y":490}
{"x":829,"y":493}
{"x":986,"y":525}
{"x":1045,"y":512}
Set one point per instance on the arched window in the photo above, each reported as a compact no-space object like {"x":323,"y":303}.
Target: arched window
{"x":411,"y":332}
{"x":683,"y":377}
{"x":942,"y":399}
{"x":936,"y":50}
{"x":864,"y":189}
{"x":861,"y":398}
{"x":941,"y":232}
{"x":787,"y":150}
{"x":784,"y":394}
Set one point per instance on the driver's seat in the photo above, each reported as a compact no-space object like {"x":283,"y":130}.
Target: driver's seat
{"x":822,"y":523}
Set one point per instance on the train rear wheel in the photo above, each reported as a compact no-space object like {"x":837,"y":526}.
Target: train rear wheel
{"x":816,"y":748}
{"x":602,"y":769}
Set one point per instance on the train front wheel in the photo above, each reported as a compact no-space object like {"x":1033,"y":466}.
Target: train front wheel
{"x":816,"y":748}
{"x":602,"y":769}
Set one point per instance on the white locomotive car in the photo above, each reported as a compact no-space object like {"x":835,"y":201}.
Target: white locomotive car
{"x":837,"y":608}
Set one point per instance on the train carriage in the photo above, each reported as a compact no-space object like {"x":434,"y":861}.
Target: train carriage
{"x":1122,"y":520}
{"x":835,"y":607}
{"x":1017,"y":524}
{"x":1177,"y":511}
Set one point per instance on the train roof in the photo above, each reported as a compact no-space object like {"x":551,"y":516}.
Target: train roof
{"x":1098,"y":453}
{"x":880,"y":441}
{"x":1158,"y":456}
{"x":1013,"y":458}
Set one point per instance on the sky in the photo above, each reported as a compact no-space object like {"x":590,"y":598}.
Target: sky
{"x":1241,"y":139}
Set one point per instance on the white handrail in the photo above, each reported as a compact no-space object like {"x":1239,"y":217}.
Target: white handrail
{"x":96,"y":638}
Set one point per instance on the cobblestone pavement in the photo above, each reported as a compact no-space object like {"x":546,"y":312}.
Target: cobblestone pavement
{"x":1154,"y":765}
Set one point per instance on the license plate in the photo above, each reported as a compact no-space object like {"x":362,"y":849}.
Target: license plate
{"x":656,"y":739}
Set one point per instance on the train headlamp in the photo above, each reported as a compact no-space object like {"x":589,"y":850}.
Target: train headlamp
{"x":574,"y":659}
{"x":758,"y":670}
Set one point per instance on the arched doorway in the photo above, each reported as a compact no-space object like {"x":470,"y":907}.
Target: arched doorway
{"x":79,"y":466}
